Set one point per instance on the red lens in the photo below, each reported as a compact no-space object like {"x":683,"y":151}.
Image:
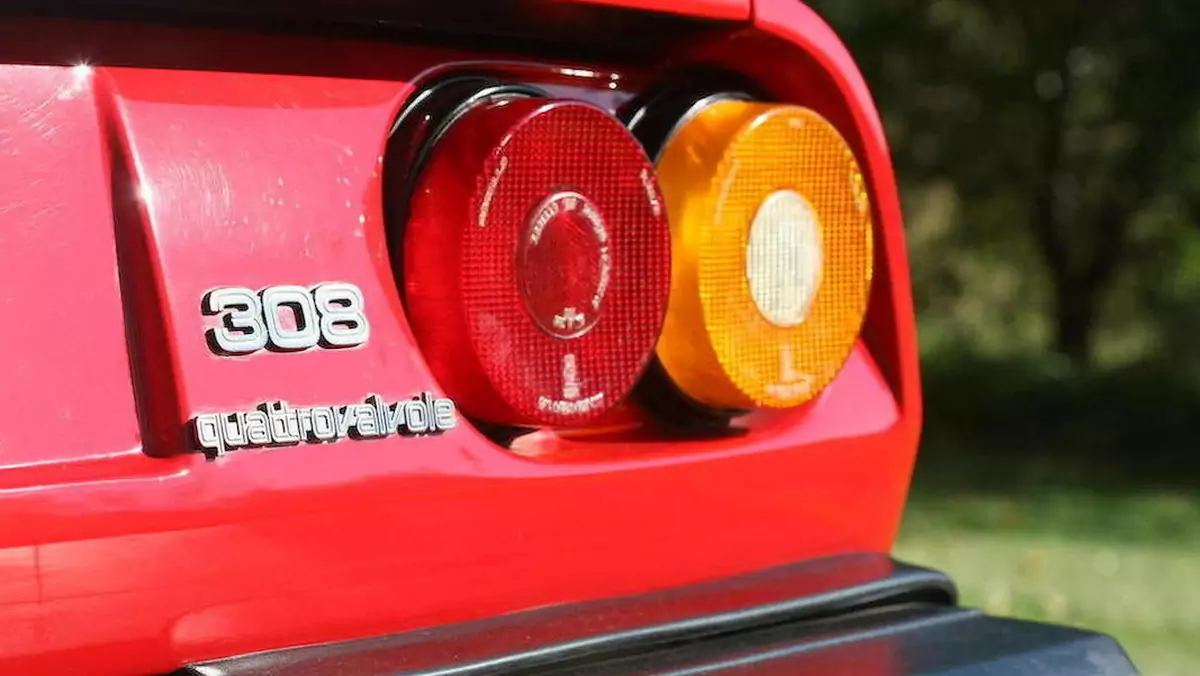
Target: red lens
{"x":536,"y":261}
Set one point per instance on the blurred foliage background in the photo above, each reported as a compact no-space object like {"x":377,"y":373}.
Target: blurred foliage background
{"x":1049,"y":160}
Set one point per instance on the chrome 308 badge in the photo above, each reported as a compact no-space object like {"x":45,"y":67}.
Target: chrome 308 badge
{"x":278,"y":424}
{"x":285,"y":318}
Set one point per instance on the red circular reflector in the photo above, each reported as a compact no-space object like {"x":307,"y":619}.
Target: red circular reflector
{"x":536,"y":261}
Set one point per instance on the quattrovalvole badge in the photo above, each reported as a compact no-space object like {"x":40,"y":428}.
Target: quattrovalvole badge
{"x":276,"y":423}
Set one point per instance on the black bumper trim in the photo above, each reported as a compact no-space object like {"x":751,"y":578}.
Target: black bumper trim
{"x":920,"y":641}
{"x":764,"y":618}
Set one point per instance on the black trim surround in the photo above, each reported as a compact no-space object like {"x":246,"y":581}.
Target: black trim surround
{"x":586,"y":30}
{"x":792,"y":619}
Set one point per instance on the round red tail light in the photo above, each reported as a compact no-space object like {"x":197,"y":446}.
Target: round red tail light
{"x":536,"y":261}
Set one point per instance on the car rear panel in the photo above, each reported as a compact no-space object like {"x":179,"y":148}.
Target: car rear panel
{"x":153,"y":151}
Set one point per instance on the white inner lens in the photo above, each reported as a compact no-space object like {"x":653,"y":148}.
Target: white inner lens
{"x":783,"y":258}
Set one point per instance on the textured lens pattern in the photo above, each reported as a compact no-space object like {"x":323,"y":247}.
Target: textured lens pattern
{"x":724,"y":343}
{"x":526,"y":205}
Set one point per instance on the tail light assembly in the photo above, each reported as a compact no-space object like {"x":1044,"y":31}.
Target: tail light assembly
{"x":535,"y":254}
{"x":772,"y":243}
{"x":706,"y":249}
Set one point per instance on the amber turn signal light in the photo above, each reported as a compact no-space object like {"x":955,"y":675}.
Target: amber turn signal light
{"x":771,"y":254}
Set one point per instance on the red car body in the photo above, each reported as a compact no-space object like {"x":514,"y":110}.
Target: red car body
{"x":145,"y":160}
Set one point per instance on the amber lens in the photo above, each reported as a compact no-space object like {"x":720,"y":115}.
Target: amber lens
{"x":772,"y":254}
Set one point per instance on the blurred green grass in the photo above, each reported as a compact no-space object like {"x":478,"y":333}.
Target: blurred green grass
{"x":1042,"y":558}
{"x":1073,"y":501}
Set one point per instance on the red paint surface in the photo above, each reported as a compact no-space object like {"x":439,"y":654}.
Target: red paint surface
{"x":127,"y":192}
